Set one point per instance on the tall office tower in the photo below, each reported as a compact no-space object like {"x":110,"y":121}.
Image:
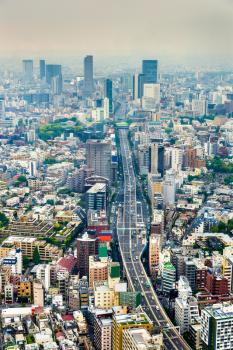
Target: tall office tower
{"x":99,"y":157}
{"x":96,"y":197}
{"x":153,"y":158}
{"x":88,"y":75}
{"x":86,"y":246}
{"x":169,"y":188}
{"x":176,"y":158}
{"x":216,"y":326}
{"x":127,"y":321}
{"x":199,"y":107}
{"x":152,"y":91}
{"x":149,"y":70}
{"x":28,"y":69}
{"x":138,"y":86}
{"x":156,"y":158}
{"x":186,"y":313}
{"x":103,"y":330}
{"x":126,"y":82}
{"x":42,"y":69}
{"x":106,"y":108}
{"x":168,"y":277}
{"x":52,"y":71}
{"x":38,"y":293}
{"x":135,"y":86}
{"x":184,"y":289}
{"x":56,"y":85}
{"x":151,"y":96}
{"x":190,"y":273}
{"x":161,"y":160}
{"x":42,"y":272}
{"x":154,"y":251}
{"x":98,"y":270}
{"x":32,"y":167}
{"x":108,"y":94}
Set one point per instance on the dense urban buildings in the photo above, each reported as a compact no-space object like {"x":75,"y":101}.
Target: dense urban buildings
{"x":115,"y":205}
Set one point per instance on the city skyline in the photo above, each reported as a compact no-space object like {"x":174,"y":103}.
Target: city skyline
{"x":116,"y":175}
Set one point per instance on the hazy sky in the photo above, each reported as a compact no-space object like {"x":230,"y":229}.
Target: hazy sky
{"x":116,"y":27}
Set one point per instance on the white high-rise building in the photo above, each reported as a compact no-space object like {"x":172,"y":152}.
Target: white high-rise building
{"x":186,"y":312}
{"x":31,"y":135}
{"x":28,"y":69}
{"x":169,"y":188}
{"x":217,"y":326}
{"x":42,"y":272}
{"x":176,"y":159}
{"x":199,"y":107}
{"x":135,"y":87}
{"x":184,"y":289}
{"x":97,"y":114}
{"x":99,"y":157}
{"x":153,"y":152}
{"x":106,"y":108}
{"x":151,"y":96}
{"x":102,"y":330}
{"x":33,"y":168}
{"x":152,"y":91}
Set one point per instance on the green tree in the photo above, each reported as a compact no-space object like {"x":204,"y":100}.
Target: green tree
{"x":4,"y":221}
{"x":36,"y":256}
{"x":50,"y":161}
{"x":221,"y":227}
{"x":26,"y":262}
{"x":228,"y":180}
{"x":30,"y":339}
{"x":20,"y":180}
{"x":50,"y":201}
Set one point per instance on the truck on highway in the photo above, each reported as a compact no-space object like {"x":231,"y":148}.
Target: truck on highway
{"x":147,"y":284}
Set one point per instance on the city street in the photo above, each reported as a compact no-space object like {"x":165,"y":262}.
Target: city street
{"x":131,"y":232}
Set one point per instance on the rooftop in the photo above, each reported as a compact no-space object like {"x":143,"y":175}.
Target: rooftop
{"x":169,"y":266}
{"x":97,"y":188}
{"x":138,"y":318}
{"x":220,"y":311}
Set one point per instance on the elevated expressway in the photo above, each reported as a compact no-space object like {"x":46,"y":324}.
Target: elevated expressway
{"x":130,"y":222}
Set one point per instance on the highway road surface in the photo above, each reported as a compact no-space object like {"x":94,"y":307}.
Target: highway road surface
{"x":131,"y":234}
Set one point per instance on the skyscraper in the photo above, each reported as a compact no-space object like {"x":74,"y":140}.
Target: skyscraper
{"x":42,"y":69}
{"x":161,"y":160}
{"x":216,"y":326}
{"x":154,"y":251}
{"x":54,"y":71}
{"x":138,"y":86}
{"x":153,"y":158}
{"x":149,"y":70}
{"x":85,"y":247}
{"x":135,"y":87}
{"x":108,"y":94}
{"x":156,"y":158}
{"x":99,"y":157}
{"x":88,"y":75}
{"x":28,"y":69}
